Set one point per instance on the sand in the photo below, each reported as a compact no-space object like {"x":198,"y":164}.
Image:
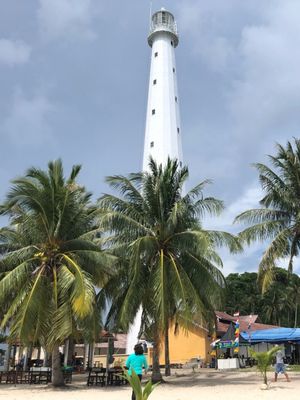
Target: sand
{"x":208,"y":385}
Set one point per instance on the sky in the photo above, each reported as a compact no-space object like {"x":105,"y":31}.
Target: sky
{"x":74,"y":80}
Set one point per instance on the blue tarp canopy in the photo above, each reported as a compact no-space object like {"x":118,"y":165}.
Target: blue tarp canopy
{"x":276,"y":335}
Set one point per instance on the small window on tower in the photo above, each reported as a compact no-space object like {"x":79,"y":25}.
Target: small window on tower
{"x":176,"y":99}
{"x":152,"y":144}
{"x":174,"y":70}
{"x":154,"y":82}
{"x":180,"y":163}
{"x":156,"y":54}
{"x":153,"y":111}
{"x":172,"y":44}
{"x":178,"y":130}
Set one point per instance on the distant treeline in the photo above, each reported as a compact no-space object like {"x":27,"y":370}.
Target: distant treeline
{"x":279,"y":305}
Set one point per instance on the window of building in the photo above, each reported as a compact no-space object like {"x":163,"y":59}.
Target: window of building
{"x":178,"y":130}
{"x":156,"y":54}
{"x":154,"y":82}
{"x":174,"y":70}
{"x":180,"y":163}
{"x":176,"y":99}
{"x":172,"y":44}
{"x":153,"y":111}
{"x":152,"y":144}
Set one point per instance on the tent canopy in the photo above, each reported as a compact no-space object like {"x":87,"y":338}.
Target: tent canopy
{"x":229,"y":335}
{"x":277,"y":335}
{"x":228,"y":340}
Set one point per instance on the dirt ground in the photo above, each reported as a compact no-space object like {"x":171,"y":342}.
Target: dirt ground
{"x":203,"y":384}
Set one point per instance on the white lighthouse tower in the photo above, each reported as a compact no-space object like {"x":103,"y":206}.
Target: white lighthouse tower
{"x":163,"y":130}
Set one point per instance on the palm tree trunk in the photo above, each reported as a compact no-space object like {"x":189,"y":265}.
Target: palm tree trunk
{"x":91,"y":355}
{"x":71,"y":350}
{"x":57,"y":374}
{"x":14,"y":355}
{"x":27,"y":357}
{"x":156,"y":374}
{"x":86,"y":356}
{"x":66,"y":351}
{"x":167,"y":351}
{"x":7,"y":358}
{"x":265,"y":377}
{"x":46,"y":362}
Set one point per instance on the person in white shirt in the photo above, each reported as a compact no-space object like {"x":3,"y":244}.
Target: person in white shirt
{"x":280,"y":367}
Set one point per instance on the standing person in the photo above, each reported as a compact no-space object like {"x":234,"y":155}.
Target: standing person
{"x":280,"y":367}
{"x":137,"y":362}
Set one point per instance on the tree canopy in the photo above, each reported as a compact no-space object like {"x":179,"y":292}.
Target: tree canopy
{"x":50,"y":263}
{"x":278,"y":305}
{"x":172,"y":266}
{"x":278,"y":219}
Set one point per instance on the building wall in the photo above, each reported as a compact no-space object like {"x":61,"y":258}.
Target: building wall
{"x":185,"y":345}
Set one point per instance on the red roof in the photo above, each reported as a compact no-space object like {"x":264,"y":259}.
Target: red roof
{"x":247,"y":323}
{"x":256,"y":327}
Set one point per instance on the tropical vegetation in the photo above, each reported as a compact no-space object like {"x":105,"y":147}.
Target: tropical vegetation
{"x":171,"y":267}
{"x":65,"y":261}
{"x":140,"y":392}
{"x":278,"y":305}
{"x":264,"y":360}
{"x":278,"y":219}
{"x":50,"y":263}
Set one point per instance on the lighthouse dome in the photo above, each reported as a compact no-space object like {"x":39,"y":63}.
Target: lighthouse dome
{"x":163,"y":21}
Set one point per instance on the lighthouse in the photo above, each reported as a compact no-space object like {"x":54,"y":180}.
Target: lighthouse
{"x":163,"y":128}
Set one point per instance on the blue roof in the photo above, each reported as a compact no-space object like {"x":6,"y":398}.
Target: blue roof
{"x":276,"y":335}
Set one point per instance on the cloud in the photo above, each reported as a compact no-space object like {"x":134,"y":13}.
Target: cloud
{"x":213,"y":27}
{"x":27,"y":124}
{"x":67,"y":18}
{"x":249,"y":199}
{"x":245,"y":261}
{"x":248,"y":260}
{"x":267,"y":93}
{"x":14,"y":52}
{"x":255,"y":45}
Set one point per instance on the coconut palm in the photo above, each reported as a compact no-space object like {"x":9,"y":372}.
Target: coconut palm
{"x":293,"y":293}
{"x":276,"y":304}
{"x":264,"y":360}
{"x":278,"y":219}
{"x":172,"y":264}
{"x":50,"y":264}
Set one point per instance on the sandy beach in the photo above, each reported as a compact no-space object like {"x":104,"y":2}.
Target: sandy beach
{"x":188,"y":386}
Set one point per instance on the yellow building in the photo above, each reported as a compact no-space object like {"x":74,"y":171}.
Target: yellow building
{"x":187,"y":344}
{"x":184,"y":345}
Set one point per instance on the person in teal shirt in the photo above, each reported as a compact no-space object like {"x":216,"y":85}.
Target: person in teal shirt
{"x":137,"y":362}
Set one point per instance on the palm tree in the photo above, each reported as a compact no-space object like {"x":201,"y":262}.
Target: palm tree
{"x":278,"y":219}
{"x":293,"y":293}
{"x":50,"y":264}
{"x":275,"y":305}
{"x":264,"y":360}
{"x":172,"y":265}
{"x":277,"y":301}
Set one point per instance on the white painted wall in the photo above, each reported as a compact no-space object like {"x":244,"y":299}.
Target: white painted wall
{"x":161,"y":128}
{"x":133,"y":332}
